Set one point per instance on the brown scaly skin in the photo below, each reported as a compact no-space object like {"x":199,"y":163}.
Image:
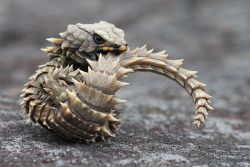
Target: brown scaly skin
{"x":74,"y":93}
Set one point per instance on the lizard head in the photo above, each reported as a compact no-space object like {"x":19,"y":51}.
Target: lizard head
{"x":86,"y":41}
{"x":89,"y":40}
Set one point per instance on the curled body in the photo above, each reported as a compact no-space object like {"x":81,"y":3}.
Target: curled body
{"x":74,"y":93}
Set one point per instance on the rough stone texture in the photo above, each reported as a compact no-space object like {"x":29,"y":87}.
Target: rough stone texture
{"x":212,"y":36}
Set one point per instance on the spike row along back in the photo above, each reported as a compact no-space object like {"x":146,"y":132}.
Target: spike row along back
{"x":74,"y":93}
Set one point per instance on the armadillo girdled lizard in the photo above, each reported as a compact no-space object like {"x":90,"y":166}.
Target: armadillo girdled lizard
{"x":74,"y":93}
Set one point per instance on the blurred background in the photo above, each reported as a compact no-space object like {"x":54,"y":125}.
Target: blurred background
{"x":212,"y":36}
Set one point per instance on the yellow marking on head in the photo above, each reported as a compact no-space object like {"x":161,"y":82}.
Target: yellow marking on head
{"x":123,"y":48}
{"x":105,"y":48}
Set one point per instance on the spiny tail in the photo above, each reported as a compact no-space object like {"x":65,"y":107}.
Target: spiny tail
{"x":141,"y":59}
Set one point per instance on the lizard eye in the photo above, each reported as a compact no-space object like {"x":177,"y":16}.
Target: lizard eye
{"x":98,"y":39}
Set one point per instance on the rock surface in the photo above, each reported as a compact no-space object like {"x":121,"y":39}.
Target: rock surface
{"x":212,"y":36}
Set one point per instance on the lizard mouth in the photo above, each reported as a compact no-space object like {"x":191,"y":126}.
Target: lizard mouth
{"x":82,"y":62}
{"x":115,"y":49}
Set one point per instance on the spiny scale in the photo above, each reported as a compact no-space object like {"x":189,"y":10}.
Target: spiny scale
{"x":82,"y":110}
{"x":141,"y":59}
{"x":86,"y":110}
{"x":80,"y":105}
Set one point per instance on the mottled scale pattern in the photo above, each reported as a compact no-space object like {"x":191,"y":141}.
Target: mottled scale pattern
{"x":73,"y":94}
